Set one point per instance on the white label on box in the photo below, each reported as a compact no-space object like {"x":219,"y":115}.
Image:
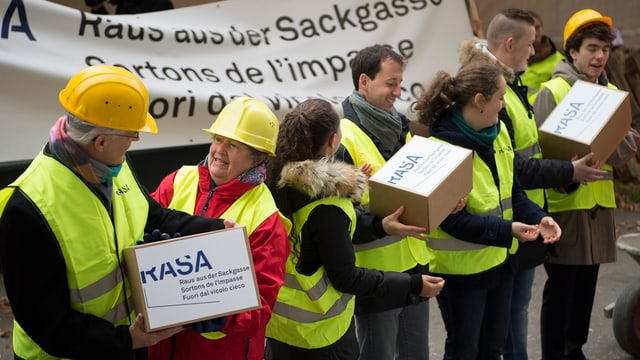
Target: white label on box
{"x":583,"y":111}
{"x":184,"y":279}
{"x":421,"y":165}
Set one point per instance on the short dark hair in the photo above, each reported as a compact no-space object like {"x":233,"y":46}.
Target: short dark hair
{"x":368,"y":61}
{"x":518,"y":14}
{"x":598,"y":30}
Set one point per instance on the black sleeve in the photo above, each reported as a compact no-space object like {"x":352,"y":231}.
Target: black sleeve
{"x":174,"y":221}
{"x":535,"y":173}
{"x":327,"y":229}
{"x":36,"y":283}
{"x":485,"y":230}
{"x":368,"y":227}
{"x":524,"y":210}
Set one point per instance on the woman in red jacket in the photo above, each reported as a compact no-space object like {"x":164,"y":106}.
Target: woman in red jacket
{"x":231,"y":180}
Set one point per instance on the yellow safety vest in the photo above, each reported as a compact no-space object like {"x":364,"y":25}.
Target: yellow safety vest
{"x":310,"y":313}
{"x":452,"y":256}
{"x":525,"y":136}
{"x":250,"y":210}
{"x":390,"y":253}
{"x":587,"y":196}
{"x":93,"y":269}
{"x":539,"y":72}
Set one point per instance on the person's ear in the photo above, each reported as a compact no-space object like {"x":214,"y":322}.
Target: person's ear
{"x":509,"y":43}
{"x":99,"y":142}
{"x":363,"y":81}
{"x":333,"y":141}
{"x":574,"y":54}
{"x":261,"y":158}
{"x":479,"y":100}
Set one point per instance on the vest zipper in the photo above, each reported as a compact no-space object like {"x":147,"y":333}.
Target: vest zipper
{"x":206,"y":203}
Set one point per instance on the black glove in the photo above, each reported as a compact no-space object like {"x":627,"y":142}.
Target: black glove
{"x":156,"y":235}
{"x":207,"y":326}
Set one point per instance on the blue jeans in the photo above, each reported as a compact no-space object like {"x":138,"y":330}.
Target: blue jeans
{"x":516,"y":346}
{"x":400,"y":334}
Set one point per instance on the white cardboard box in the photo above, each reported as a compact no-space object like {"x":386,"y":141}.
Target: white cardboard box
{"x":192,"y":278}
{"x":427,"y":176}
{"x":590,"y":118}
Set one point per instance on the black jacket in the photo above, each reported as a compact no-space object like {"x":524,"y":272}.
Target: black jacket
{"x":325,"y":239}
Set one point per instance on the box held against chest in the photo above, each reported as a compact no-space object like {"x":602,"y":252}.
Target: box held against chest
{"x":590,"y":118}
{"x":192,"y":278}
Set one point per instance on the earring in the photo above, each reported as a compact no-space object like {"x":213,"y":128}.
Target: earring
{"x":481,"y":110}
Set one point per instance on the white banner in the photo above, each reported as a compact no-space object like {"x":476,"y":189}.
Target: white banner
{"x":194,"y":60}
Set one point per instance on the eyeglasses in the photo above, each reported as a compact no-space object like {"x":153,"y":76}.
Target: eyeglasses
{"x":134,"y":137}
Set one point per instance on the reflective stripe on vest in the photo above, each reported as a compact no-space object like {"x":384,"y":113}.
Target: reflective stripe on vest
{"x":310,"y":313}
{"x":95,"y":282}
{"x":448,"y":255}
{"x":530,"y":151}
{"x":249,"y":210}
{"x":587,"y":196}
{"x":390,"y":253}
{"x":525,"y":133}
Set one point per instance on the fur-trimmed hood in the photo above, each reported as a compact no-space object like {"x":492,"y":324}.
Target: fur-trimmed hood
{"x":478,"y":50}
{"x":323,"y":178}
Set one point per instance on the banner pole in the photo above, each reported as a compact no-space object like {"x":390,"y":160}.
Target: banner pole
{"x":476,"y":22}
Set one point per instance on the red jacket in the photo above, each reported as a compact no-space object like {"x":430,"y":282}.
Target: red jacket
{"x":269,"y":244}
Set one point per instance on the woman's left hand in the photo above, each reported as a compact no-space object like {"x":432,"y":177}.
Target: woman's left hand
{"x":549,"y":230}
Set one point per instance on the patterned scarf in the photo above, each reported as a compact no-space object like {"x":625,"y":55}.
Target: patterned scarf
{"x":256,"y":175}
{"x":385,"y":126}
{"x":71,"y":154}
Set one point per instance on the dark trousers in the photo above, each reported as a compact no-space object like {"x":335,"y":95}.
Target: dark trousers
{"x":346,"y":348}
{"x":476,"y":320}
{"x":567,"y":302}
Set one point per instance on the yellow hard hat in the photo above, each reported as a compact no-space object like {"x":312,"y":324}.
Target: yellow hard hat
{"x":109,"y":96}
{"x":581,"y":18}
{"x":249,"y":121}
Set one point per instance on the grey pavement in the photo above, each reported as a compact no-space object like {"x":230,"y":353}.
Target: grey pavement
{"x":602,"y":344}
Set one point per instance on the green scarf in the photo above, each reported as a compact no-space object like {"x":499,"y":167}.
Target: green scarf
{"x":483,"y":137}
